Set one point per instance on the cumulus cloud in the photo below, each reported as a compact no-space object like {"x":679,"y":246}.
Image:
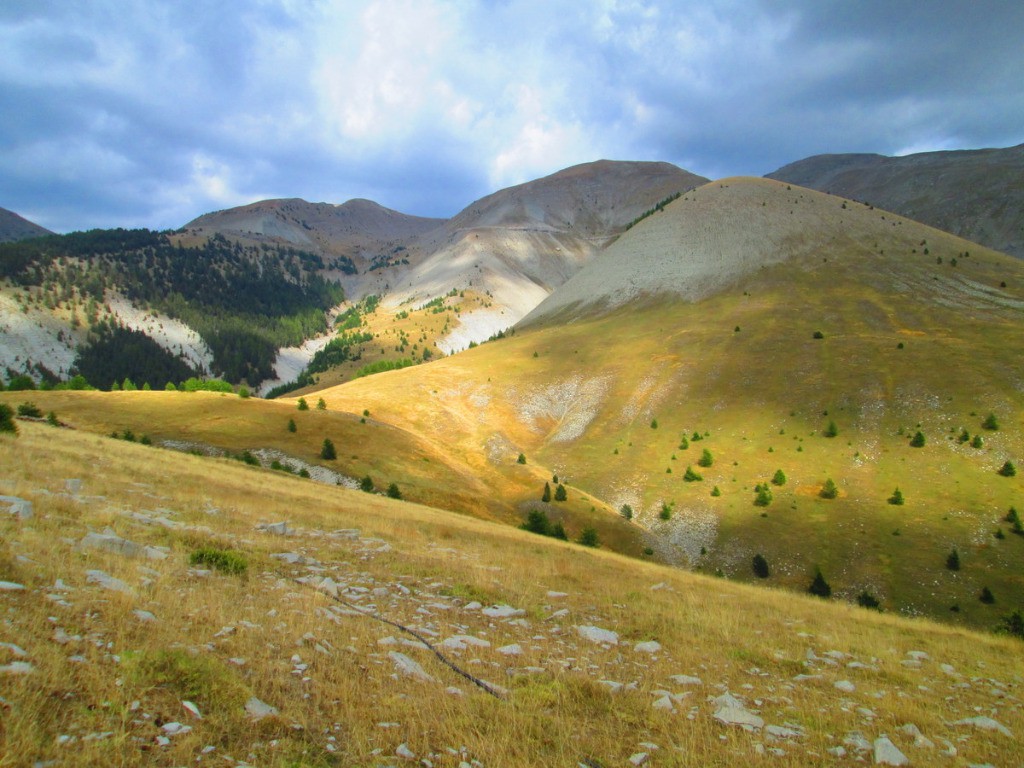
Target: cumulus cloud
{"x":151,"y":112}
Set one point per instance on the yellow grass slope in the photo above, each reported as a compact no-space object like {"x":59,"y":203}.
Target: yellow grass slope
{"x":94,"y":675}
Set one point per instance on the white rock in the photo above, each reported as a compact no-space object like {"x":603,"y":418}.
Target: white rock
{"x":949,"y":669}
{"x":107,"y":581}
{"x":985,"y":724}
{"x":192,"y":709}
{"x":473,"y":606}
{"x":73,"y":485}
{"x":408,"y":667}
{"x":844,"y":685}
{"x":598,"y":635}
{"x":329,"y":586}
{"x":111,"y":542}
{"x":511,"y":650}
{"x":727,"y":700}
{"x":557,"y":595}
{"x":920,"y":740}
{"x":665,"y":702}
{"x":887,"y":753}
{"x":144,"y":616}
{"x":17,"y":668}
{"x":748,"y":721}
{"x":10,"y":586}
{"x":291,"y":558}
{"x":502,"y":611}
{"x":20,"y":508}
{"x":611,"y":685}
{"x":175,"y":728}
{"x":639,"y":758}
{"x":782,"y":732}
{"x":651,"y":646}
{"x":685,"y":680}
{"x":258,"y":710}
{"x":405,"y":753}
{"x":17,"y":652}
{"x":278,"y":529}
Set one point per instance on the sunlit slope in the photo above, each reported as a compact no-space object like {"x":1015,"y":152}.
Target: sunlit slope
{"x":101,"y":672}
{"x":907,"y":344}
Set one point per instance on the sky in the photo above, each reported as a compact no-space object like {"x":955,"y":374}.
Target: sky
{"x":149,"y":113}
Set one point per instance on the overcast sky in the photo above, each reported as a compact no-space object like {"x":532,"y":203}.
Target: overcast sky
{"x":152,"y":112}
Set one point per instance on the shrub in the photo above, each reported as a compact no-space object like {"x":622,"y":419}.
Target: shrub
{"x":666,"y":511}
{"x":953,"y":560}
{"x":819,"y":586}
{"x":321,"y":405}
{"x":304,"y":473}
{"x":243,"y":392}
{"x":990,"y":423}
{"x":225,"y":560}
{"x":829,"y":490}
{"x":691,"y":477}
{"x":588,"y":537}
{"x":303,"y":405}
{"x":831,"y":430}
{"x":1008,"y":470}
{"x":684,"y":443}
{"x":866,"y":600}
{"x":558,"y":532}
{"x":521,"y":459}
{"x":764,"y":496}
{"x":7,"y":419}
{"x":706,"y":459}
{"x":291,"y":425}
{"x":977,"y":442}
{"x":52,"y":420}
{"x":965,"y":437}
{"x":30,"y":410}
{"x":366,"y":484}
{"x":249,"y":459}
{"x":327,"y":450}
{"x":546,"y":495}
{"x":917,"y":441}
{"x":760,"y":566}
{"x":818,"y":335}
{"x":393,"y":492}
{"x":654,"y":423}
{"x":986,"y":596}
{"x":560,"y":494}
{"x":626,"y":511}
{"x":1013,"y":625}
{"x":779,"y":478}
{"x":716,"y":492}
{"x":169,"y":387}
{"x":896,"y":498}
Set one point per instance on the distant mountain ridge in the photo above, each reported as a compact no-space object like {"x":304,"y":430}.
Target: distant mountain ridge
{"x":14,"y":227}
{"x":976,"y":194}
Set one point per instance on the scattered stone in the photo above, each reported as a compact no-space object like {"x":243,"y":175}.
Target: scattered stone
{"x":405,"y":753}
{"x":920,"y":740}
{"x":748,"y":721}
{"x":144,"y":616}
{"x":917,"y":655}
{"x":18,"y":653}
{"x":985,"y":724}
{"x":192,"y":709}
{"x":278,"y":529}
{"x":329,"y":586}
{"x":557,"y":595}
{"x":685,"y":680}
{"x":175,"y":728}
{"x":17,"y":668}
{"x":639,"y":758}
{"x":408,"y":667}
{"x":258,"y":709}
{"x":949,"y":669}
{"x":856,"y":741}
{"x":887,"y":753}
{"x":651,"y":646}
{"x":511,"y":650}
{"x":111,"y":542}
{"x":611,"y":685}
{"x":502,"y":611}
{"x":665,"y":702}
{"x":598,"y":635}
{"x":10,"y":586}
{"x":781,"y":732}
{"x":20,"y":508}
{"x":845,"y":686}
{"x":107,"y":581}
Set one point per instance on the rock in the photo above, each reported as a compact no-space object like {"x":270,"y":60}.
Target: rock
{"x":10,"y":586}
{"x":502,"y":611}
{"x":107,"y":581}
{"x":329,"y":586}
{"x":685,"y":680}
{"x":291,"y":558}
{"x":985,"y":724}
{"x":20,"y":508}
{"x":110,"y":542}
{"x":511,"y":650}
{"x":651,"y":646}
{"x":73,"y":486}
{"x":887,"y":753}
{"x":408,"y":667}
{"x":16,"y":652}
{"x":665,"y":702}
{"x":727,"y":700}
{"x":598,"y":635}
{"x":144,"y":616}
{"x":175,"y":728}
{"x":278,"y":529}
{"x":949,"y":669}
{"x":557,"y":595}
{"x":405,"y":753}
{"x":611,"y":685}
{"x":258,"y":710}
{"x":639,"y":758}
{"x":748,"y":721}
{"x":17,"y":668}
{"x":920,"y":740}
{"x":782,"y":732}
{"x":192,"y":709}
{"x":845,"y":686}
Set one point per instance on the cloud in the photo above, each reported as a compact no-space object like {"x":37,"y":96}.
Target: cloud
{"x":151,"y":112}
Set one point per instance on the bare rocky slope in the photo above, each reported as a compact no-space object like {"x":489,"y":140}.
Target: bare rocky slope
{"x":14,"y":227}
{"x":977,"y":194}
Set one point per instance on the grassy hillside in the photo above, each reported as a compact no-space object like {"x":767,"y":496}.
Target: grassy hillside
{"x":98,"y":672}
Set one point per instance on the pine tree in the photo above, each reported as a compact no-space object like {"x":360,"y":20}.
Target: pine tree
{"x":918,"y":440}
{"x":558,"y":532}
{"x":366,"y":484}
{"x":521,"y":459}
{"x":896,"y":498}
{"x":829,"y":490}
{"x":546,"y":496}
{"x":1008,"y":470}
{"x":303,"y":405}
{"x":977,"y":442}
{"x":327,"y":451}
{"x":819,"y":586}
{"x":588,"y":538}
{"x":321,"y":405}
{"x":291,"y":425}
{"x":706,"y":459}
{"x":691,"y":476}
{"x":626,"y":511}
{"x":764,"y":496}
{"x":953,"y":560}
{"x":831,"y":430}
{"x":779,"y":478}
{"x":990,"y":423}
{"x":560,"y":494}
{"x":7,"y":419}
{"x":760,"y":566}
{"x":986,"y":596}
{"x":537,"y":522}
{"x":965,"y":437}
{"x":393,"y":492}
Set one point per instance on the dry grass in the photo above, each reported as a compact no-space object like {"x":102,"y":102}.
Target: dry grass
{"x":100,"y":697}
